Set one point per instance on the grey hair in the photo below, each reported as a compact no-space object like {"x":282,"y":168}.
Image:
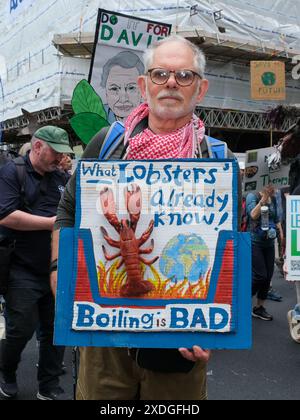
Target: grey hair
{"x":200,"y":60}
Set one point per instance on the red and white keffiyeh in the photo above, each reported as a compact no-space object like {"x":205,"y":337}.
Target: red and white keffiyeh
{"x":147,"y":145}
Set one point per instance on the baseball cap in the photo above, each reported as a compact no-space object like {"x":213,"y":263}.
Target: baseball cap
{"x":55,"y":137}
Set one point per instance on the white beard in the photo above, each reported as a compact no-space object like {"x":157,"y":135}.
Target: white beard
{"x":168,"y":112}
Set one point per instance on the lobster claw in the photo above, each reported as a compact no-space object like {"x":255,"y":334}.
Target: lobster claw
{"x":133,"y":200}
{"x":109,"y":207}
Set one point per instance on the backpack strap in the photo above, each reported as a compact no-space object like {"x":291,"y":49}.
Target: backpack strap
{"x":113,"y":139}
{"x":218,"y":148}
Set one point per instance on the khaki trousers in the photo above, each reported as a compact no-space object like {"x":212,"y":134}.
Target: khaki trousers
{"x":111,"y":374}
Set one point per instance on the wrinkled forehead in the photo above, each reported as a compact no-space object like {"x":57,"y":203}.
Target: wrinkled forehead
{"x":174,"y":55}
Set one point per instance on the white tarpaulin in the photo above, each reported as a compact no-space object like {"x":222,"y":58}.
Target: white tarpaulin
{"x":36,"y":77}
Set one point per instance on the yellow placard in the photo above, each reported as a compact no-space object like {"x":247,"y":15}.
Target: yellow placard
{"x":268,"y":80}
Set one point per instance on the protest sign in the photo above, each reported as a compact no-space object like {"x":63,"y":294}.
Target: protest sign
{"x":258,"y":174}
{"x":155,"y":259}
{"x":268,"y":81}
{"x":293,"y":238}
{"x":117,"y":60}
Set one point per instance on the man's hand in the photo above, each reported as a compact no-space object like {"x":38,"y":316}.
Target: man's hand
{"x":264,"y":198}
{"x":197,"y":354}
{"x":52,"y":221}
{"x":53,"y":282}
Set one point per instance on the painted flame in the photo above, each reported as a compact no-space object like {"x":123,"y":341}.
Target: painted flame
{"x":110,"y":281}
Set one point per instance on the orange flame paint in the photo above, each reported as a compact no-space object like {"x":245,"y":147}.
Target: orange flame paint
{"x":111,"y":280}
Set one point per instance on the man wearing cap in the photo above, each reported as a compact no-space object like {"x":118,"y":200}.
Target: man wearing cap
{"x":28,"y":212}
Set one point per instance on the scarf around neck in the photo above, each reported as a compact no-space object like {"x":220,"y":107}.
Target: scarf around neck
{"x":179,"y":144}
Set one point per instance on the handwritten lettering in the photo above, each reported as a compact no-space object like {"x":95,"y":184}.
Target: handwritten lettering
{"x":169,"y":173}
{"x":208,"y":317}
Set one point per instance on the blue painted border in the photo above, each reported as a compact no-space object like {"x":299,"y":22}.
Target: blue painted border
{"x":199,"y":161}
{"x":86,"y":236}
{"x":241,"y":338}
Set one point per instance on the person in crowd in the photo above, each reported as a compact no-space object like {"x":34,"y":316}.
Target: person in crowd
{"x":24,"y":149}
{"x":66,"y":165}
{"x":284,"y":193}
{"x":263,"y":245}
{"x":291,"y":150}
{"x":119,"y":79}
{"x":273,"y":294}
{"x":164,"y":127}
{"x":29,"y":216}
{"x":294,"y":314}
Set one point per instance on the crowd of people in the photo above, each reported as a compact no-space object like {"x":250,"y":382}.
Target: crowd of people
{"x":265,"y":219}
{"x":32,"y":213}
{"x":28,"y":208}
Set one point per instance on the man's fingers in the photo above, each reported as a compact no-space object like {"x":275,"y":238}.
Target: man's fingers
{"x":187,"y":354}
{"x":196,"y":354}
{"x":201,"y":354}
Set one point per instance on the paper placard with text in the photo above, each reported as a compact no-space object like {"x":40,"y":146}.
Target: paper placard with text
{"x":258,"y":174}
{"x":268,"y":81}
{"x":120,"y":43}
{"x":155,"y":259}
{"x":293,"y":238}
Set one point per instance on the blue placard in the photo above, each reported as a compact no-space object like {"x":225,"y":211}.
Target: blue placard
{"x":183,"y":285}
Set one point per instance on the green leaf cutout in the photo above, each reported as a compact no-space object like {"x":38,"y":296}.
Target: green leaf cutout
{"x":86,"y":125}
{"x":85,"y":99}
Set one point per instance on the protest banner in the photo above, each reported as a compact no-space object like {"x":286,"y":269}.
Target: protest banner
{"x":268,"y":81}
{"x":155,"y":258}
{"x":258,"y":174}
{"x":293,"y":238}
{"x":120,"y":42}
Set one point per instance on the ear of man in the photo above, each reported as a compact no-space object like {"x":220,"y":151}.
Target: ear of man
{"x":141,"y":81}
{"x":203,"y":88}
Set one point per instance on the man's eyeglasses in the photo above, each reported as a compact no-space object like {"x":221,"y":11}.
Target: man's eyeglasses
{"x":183,"y":77}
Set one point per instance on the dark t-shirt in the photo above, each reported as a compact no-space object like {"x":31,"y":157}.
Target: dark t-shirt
{"x":31,"y":259}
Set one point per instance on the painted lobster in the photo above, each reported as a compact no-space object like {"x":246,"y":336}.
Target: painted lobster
{"x":129,"y":246}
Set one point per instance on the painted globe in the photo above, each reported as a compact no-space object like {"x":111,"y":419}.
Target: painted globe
{"x":186,"y":256}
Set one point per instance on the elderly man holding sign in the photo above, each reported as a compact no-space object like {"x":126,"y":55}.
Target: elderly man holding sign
{"x":164,"y":127}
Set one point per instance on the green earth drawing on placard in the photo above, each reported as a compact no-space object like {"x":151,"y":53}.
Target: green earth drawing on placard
{"x":185,"y":257}
{"x":114,"y":20}
{"x":269,"y":78}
